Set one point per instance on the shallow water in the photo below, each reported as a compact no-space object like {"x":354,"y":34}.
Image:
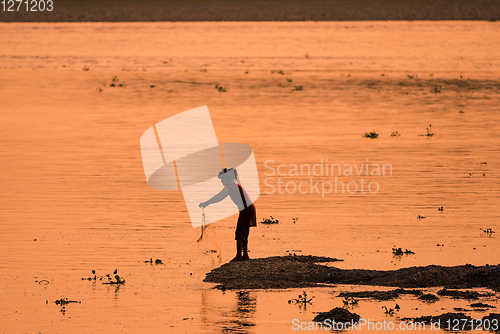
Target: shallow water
{"x":72,"y":175}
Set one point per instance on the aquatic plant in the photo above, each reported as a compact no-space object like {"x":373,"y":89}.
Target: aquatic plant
{"x":117,"y":278}
{"x":115,"y":82}
{"x":488,"y":231}
{"x":412,"y":76}
{"x":399,"y":251}
{"x":391,"y":311}
{"x":298,"y":88}
{"x":350,"y":301}
{"x":429,"y":131}
{"x":220,"y":88}
{"x":289,"y":80}
{"x":65,"y":301}
{"x":301,"y":300}
{"x":395,"y":134}
{"x":278,"y":71}
{"x":372,"y":134}
{"x":157,"y":261}
{"x":269,"y":221}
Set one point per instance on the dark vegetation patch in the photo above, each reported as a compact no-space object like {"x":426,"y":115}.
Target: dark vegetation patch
{"x":337,"y":314}
{"x":282,"y":272}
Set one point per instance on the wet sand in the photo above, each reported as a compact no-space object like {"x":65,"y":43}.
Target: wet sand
{"x":274,"y":10}
{"x":304,"y":271}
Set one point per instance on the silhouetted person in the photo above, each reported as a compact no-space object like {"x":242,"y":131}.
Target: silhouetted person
{"x":247,"y":215}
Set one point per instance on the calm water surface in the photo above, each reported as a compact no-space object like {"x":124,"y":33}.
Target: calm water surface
{"x":74,"y":197}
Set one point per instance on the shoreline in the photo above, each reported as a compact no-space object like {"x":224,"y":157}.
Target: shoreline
{"x":283,"y":272}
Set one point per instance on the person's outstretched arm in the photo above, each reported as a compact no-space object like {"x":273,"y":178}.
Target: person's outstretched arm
{"x":217,"y":198}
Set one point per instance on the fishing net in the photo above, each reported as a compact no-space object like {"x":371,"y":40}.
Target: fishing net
{"x":208,"y":241}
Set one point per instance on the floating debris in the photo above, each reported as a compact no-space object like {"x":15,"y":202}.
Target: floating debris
{"x":399,"y":251}
{"x":441,"y":209}
{"x":395,"y":134}
{"x":297,"y":88}
{"x":220,"y":88}
{"x":372,"y":134}
{"x":421,"y":217}
{"x":269,"y":221}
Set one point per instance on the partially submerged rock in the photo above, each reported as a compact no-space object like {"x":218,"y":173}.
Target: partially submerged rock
{"x":278,"y":272}
{"x":462,"y":294}
{"x":282,"y":272}
{"x":378,"y":295}
{"x":429,"y":297}
{"x":337,"y":314}
{"x":409,"y":292}
{"x":481,"y":305}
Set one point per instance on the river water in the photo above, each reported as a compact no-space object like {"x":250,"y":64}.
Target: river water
{"x":75,"y":199}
